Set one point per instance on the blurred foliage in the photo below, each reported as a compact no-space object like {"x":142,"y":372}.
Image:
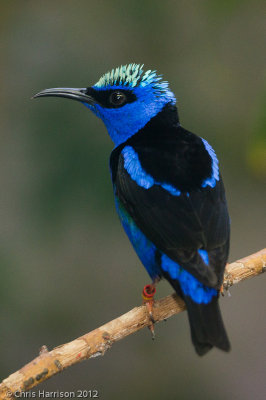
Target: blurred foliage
{"x":256,"y":153}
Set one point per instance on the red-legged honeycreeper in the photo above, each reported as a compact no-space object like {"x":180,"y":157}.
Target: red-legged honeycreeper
{"x":168,"y":189}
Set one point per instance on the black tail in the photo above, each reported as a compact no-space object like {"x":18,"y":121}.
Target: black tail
{"x":206,"y":324}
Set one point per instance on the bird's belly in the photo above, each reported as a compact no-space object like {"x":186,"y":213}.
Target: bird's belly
{"x":145,"y":249}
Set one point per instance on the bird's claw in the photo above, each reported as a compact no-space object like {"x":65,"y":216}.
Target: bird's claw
{"x":147,"y":295}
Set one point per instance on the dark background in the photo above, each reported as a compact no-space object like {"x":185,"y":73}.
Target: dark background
{"x":66,"y":265}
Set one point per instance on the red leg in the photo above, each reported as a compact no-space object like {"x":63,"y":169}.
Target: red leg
{"x":147,"y":295}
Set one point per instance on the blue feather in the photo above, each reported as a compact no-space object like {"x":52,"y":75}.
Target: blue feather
{"x":190,"y":286}
{"x":133,"y":167}
{"x":204,"y":255}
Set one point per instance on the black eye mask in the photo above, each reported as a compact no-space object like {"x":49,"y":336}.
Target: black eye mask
{"x":105,"y":97}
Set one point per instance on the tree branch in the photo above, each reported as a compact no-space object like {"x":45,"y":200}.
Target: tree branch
{"x":97,"y":342}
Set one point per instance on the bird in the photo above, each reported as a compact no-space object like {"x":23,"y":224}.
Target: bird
{"x":168,"y":190}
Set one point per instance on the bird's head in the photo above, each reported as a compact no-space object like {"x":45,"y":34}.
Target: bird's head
{"x":125,"y":99}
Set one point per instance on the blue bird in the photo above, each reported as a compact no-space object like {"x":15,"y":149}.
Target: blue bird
{"x":168,"y":189}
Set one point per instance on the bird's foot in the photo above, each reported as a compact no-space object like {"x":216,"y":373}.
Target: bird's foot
{"x":225,"y":285}
{"x":148,"y":299}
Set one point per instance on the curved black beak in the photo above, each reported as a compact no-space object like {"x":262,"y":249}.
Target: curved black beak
{"x":69,"y":93}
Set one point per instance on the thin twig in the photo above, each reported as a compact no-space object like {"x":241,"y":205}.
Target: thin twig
{"x":97,"y":342}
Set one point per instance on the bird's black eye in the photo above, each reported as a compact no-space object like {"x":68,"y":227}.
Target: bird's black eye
{"x":117,"y":98}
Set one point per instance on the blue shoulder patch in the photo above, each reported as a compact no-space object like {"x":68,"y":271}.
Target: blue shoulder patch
{"x":190,"y":286}
{"x":211,"y":181}
{"x":133,"y":167}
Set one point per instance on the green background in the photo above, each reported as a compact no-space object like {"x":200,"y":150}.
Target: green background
{"x":66,"y":266}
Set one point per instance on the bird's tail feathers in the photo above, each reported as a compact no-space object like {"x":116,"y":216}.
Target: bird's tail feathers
{"x":206,"y":324}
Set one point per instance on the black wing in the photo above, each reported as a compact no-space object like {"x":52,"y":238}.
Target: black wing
{"x":177,"y":225}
